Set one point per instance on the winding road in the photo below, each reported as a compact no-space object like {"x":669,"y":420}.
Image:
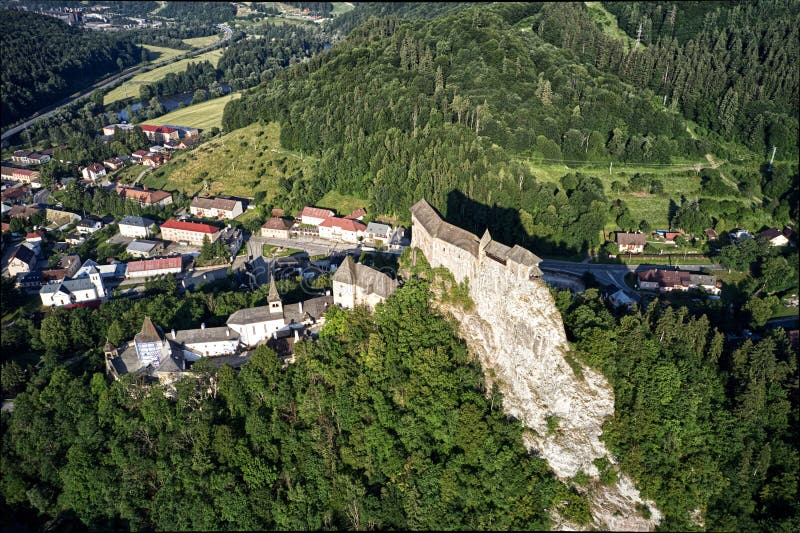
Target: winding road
{"x":102,"y":84}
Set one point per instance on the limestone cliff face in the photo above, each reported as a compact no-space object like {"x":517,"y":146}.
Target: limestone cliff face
{"x":517,"y":334}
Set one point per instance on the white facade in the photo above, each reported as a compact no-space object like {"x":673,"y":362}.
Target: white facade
{"x":135,"y":230}
{"x":73,"y":291}
{"x":254,"y":332}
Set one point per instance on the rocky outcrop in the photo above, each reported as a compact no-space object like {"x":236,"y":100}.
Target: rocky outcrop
{"x":517,"y":334}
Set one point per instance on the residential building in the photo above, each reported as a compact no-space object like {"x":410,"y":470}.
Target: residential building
{"x":23,"y":175}
{"x":111,"y":270}
{"x":711,"y":235}
{"x":16,"y":195}
{"x":94,"y":172}
{"x":23,"y":211}
{"x":676,"y":280}
{"x":342,"y":229}
{"x":774,"y":236}
{"x":314,"y":216}
{"x":276,"y":228}
{"x":22,"y":260}
{"x":620,"y":298}
{"x":144,"y":196}
{"x":61,"y":218}
{"x":633,"y":243}
{"x":136,"y":157}
{"x":184,"y":132}
{"x":157,"y":149}
{"x":188,"y":232}
{"x":207,"y":342}
{"x":138,"y":227}
{"x":144,"y":248}
{"x":72,"y":291}
{"x":216,"y":208}
{"x":30,"y":282}
{"x":25,"y":157}
{"x":154,"y":267}
{"x":738,"y":235}
{"x":88,"y":226}
{"x":232,"y":238}
{"x":160,"y":134}
{"x":115,"y":163}
{"x":356,"y":284}
{"x":34,"y":241}
{"x":379,"y":233}
{"x":154,"y":160}
{"x":110,"y":130}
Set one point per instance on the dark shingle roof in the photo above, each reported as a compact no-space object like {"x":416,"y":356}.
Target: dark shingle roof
{"x":369,"y":279}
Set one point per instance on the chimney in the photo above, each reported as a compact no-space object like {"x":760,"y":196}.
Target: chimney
{"x":296,"y":336}
{"x":203,"y":325}
{"x":300,"y":307}
{"x":144,"y":187}
{"x":227,"y":332}
{"x":173,"y":333}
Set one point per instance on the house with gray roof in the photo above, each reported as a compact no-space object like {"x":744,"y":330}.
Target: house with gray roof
{"x":137,"y":227}
{"x":356,"y":284}
{"x":144,"y":248}
{"x":206,"y":342}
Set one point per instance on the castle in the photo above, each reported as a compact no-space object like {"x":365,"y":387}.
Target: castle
{"x":462,"y":252}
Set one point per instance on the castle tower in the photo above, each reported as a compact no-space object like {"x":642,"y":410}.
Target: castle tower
{"x":273,"y":298}
{"x":97,"y":281}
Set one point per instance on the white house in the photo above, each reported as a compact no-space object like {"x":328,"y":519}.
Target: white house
{"x":774,"y":236}
{"x":379,"y":233}
{"x":137,"y":227}
{"x":94,"y":172}
{"x":342,"y":229}
{"x":313,"y":216}
{"x":22,"y":260}
{"x":72,"y":291}
{"x":257,"y":324}
{"x":88,"y":226}
{"x":216,"y":208}
{"x":357,"y":284}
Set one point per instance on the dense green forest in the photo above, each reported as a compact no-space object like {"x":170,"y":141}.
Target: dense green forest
{"x":382,"y":423}
{"x":205,"y":12}
{"x":45,"y":60}
{"x":731,"y":68}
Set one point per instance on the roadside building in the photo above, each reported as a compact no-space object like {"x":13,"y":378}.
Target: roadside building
{"x":216,"y":208}
{"x":154,"y":267}
{"x":23,"y":175}
{"x":136,"y":157}
{"x":676,"y":280}
{"x":138,"y":227}
{"x":232,"y":238}
{"x":378,"y":233}
{"x":342,"y":229}
{"x":115,"y":163}
{"x":110,"y":130}
{"x":188,"y":232}
{"x":160,"y":134}
{"x":276,"y":228}
{"x":633,"y":243}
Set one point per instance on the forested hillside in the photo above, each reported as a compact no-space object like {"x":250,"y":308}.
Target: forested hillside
{"x":45,"y":60}
{"x":382,"y":424}
{"x":401,"y":110}
{"x":732,"y":68}
{"x":205,"y":12}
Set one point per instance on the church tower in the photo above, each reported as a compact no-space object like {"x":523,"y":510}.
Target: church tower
{"x":273,"y":298}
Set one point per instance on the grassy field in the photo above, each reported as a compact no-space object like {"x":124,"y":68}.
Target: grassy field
{"x":130,"y":88}
{"x":202,"y":42}
{"x":269,"y":250}
{"x":204,"y":115}
{"x":159,"y":53}
{"x":343,"y":204}
{"x":608,"y":22}
{"x":340,"y":8}
{"x":240,"y":163}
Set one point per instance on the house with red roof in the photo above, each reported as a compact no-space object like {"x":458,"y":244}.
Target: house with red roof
{"x":160,"y":134}
{"x":188,"y":232}
{"x":342,"y":229}
{"x":137,"y":156}
{"x":313,"y":216}
{"x":144,"y":196}
{"x":94,"y":172}
{"x":20,"y":174}
{"x":358,"y":214}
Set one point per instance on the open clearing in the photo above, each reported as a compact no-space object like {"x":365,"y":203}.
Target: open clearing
{"x":204,"y":115}
{"x":340,"y":8}
{"x":240,"y":163}
{"x":130,"y":88}
{"x":343,"y":204}
{"x":608,"y":23}
{"x":201,"y":42}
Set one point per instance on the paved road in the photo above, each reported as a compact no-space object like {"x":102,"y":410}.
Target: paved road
{"x":127,"y":74}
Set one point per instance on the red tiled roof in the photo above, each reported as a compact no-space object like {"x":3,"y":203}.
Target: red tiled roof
{"x":19,"y":171}
{"x":345,"y":224}
{"x":157,"y":129}
{"x":140,"y":153}
{"x":196,"y":227}
{"x":360,"y":212}
{"x":277,"y":223}
{"x":95,"y":167}
{"x":148,"y":197}
{"x":5,"y":226}
{"x":34,"y":235}
{"x":154,"y":264}
{"x":624,"y":238}
{"x":315,"y":212}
